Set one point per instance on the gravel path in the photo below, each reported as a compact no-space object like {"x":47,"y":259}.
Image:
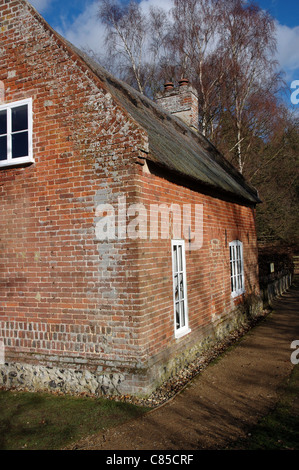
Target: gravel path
{"x":226,"y":398}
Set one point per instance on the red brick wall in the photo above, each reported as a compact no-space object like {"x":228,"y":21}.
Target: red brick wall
{"x":65,"y":296}
{"x":208,"y":268}
{"x":62,"y":292}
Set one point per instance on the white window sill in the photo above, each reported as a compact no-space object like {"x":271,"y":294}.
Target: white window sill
{"x":182,"y":332}
{"x":237,"y":293}
{"x":16,"y":162}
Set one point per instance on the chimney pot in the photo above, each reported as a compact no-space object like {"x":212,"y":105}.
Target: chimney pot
{"x":183,"y":82}
{"x":181,"y":101}
{"x":168,"y":86}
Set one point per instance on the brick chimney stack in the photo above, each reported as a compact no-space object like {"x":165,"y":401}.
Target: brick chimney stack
{"x":181,"y":101}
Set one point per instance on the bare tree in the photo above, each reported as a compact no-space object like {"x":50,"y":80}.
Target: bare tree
{"x":276,"y":176}
{"x":134,"y":40}
{"x":225,"y":48}
{"x":126,"y":32}
{"x":248,"y":44}
{"x":192,"y":42}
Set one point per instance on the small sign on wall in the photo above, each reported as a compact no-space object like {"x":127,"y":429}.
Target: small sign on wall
{"x":271,"y":267}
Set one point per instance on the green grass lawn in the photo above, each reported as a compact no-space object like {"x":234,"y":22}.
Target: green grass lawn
{"x":47,"y":422}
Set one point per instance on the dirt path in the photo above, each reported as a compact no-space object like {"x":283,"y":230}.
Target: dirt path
{"x":229,"y":396}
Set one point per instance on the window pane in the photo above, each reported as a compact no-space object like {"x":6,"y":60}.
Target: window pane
{"x":3,"y":122}
{"x":175,"y":259}
{"x":20,"y":145}
{"x":176,"y":288}
{"x":239,"y":252}
{"x":182,"y":314}
{"x":181,"y":286}
{"x":19,"y":118}
{"x":180,"y":258}
{"x":3,"y":148}
{"x":177,"y":315}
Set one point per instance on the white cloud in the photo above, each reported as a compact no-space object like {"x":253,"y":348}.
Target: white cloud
{"x":40,"y":5}
{"x":287,"y":50}
{"x":86,"y":30}
{"x":147,"y":4}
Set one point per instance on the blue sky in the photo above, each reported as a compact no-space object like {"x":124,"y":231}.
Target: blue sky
{"x":76,"y":20}
{"x":285,"y":11}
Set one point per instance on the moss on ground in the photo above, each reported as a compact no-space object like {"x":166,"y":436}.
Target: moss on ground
{"x":47,"y":422}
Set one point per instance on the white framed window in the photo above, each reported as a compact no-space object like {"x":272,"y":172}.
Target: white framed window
{"x":179,"y":288}
{"x":16,"y":133}
{"x":236,"y":268}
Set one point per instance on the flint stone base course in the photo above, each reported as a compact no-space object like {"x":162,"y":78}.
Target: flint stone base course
{"x":141,"y":381}
{"x":35,"y":378}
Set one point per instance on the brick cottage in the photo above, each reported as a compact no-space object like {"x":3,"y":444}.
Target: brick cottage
{"x":127,"y":241}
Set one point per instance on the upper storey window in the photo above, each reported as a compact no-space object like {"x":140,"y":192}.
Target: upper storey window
{"x":16,"y":133}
